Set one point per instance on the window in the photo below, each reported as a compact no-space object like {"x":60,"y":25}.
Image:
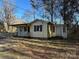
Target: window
{"x":38,"y":28}
{"x":35,"y":28}
{"x":20,"y":28}
{"x":25,"y":29}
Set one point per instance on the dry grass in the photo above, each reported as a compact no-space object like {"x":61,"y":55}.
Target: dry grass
{"x":37,"y":49}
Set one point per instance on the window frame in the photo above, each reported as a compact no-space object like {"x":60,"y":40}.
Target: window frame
{"x":25,"y":29}
{"x":37,"y":28}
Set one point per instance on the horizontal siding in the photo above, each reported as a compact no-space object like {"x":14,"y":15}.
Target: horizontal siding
{"x":39,"y":34}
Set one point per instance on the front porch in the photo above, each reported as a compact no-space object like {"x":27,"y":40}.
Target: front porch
{"x":22,"y":30}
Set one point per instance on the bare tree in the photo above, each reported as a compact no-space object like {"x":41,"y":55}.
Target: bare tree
{"x":68,"y":11}
{"x":36,"y":4}
{"x":27,"y":15}
{"x":8,"y":13}
{"x":46,"y":5}
{"x":65,"y":8}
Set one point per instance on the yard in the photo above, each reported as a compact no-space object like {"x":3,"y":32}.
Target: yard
{"x":24,"y":48}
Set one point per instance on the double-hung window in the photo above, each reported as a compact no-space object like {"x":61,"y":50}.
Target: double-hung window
{"x":38,"y":28}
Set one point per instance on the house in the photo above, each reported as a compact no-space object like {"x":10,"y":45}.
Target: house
{"x":13,"y":29}
{"x":46,"y":29}
{"x":22,"y":29}
{"x":61,"y":30}
{"x":40,"y":29}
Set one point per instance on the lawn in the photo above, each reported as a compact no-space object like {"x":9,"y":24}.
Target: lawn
{"x":23,"y":48}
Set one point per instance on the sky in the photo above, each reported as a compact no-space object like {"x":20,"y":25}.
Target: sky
{"x":21,"y":6}
{"x":24,"y":6}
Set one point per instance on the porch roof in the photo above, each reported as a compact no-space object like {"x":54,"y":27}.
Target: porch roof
{"x":25,"y":24}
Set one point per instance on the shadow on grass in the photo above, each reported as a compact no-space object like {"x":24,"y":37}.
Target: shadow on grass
{"x":68,"y":41}
{"x":13,"y":51}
